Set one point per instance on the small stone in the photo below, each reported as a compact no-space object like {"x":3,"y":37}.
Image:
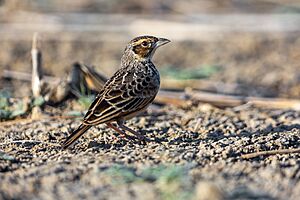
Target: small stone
{"x":36,"y":113}
{"x":208,"y":191}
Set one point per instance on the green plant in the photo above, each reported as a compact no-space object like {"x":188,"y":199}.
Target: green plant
{"x":85,"y":101}
{"x":171,"y":181}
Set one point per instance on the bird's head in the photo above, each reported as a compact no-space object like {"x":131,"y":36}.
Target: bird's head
{"x":143,"y":47}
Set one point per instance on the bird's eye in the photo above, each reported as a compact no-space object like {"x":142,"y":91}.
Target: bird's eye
{"x":145,"y":44}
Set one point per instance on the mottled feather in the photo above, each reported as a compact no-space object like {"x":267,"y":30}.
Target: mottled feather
{"x":129,"y":91}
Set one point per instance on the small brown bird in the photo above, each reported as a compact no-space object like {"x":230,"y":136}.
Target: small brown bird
{"x":128,"y":92}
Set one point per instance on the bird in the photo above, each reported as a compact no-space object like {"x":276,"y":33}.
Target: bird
{"x":127,"y":93}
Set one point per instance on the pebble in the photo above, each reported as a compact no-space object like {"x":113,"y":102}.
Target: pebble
{"x":214,"y":154}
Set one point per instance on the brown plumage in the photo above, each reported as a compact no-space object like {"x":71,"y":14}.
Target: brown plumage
{"x":128,"y":92}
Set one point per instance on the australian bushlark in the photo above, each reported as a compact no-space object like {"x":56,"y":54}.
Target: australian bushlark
{"x":128,"y":92}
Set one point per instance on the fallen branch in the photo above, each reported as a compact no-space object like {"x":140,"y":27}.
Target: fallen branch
{"x":28,"y":141}
{"x":171,"y":98}
{"x":271,"y":152}
{"x":23,"y":76}
{"x":220,"y":100}
{"x":21,"y":142}
{"x":181,"y":98}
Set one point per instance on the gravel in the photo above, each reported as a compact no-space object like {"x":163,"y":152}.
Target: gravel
{"x":193,"y":153}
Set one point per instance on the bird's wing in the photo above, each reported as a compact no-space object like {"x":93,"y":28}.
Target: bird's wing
{"x":125,"y":93}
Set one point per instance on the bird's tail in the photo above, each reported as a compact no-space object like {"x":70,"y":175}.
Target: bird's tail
{"x":75,"y":135}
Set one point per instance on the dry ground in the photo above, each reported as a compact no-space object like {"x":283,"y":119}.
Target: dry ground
{"x":192,"y":153}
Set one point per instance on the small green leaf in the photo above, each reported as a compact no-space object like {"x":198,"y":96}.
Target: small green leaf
{"x":172,"y":181}
{"x":5,"y":156}
{"x":3,"y":102}
{"x":16,"y":113}
{"x":39,"y":101}
{"x":122,"y":174}
{"x":18,"y":110}
{"x":153,"y":173}
{"x":4,"y":114}
{"x":5,"y":94}
{"x":85,"y":101}
{"x":74,"y":113}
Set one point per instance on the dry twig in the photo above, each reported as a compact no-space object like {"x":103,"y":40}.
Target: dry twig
{"x":180,"y":98}
{"x":37,"y":74}
{"x":233,"y":101}
{"x":28,"y":141}
{"x":171,"y":98}
{"x":271,"y":152}
{"x":23,"y":76}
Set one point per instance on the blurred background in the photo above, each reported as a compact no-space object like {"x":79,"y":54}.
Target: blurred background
{"x":245,"y":47}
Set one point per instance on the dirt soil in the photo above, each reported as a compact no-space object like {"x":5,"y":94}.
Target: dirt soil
{"x":262,"y":64}
{"x":193,"y":154}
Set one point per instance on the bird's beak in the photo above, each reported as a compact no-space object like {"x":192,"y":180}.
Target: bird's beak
{"x":161,"y":42}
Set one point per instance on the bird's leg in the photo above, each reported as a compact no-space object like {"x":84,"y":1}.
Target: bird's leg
{"x":122,"y":126}
{"x":121,"y":132}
